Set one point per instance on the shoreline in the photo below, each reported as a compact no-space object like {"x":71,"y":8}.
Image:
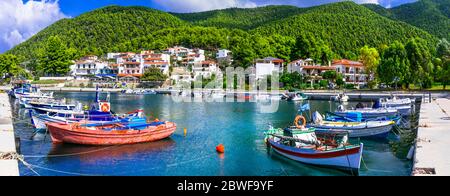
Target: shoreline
{"x":354,"y":95}
{"x":9,"y":166}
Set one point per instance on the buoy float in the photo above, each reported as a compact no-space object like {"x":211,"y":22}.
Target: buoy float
{"x":220,"y":148}
{"x":185,"y":132}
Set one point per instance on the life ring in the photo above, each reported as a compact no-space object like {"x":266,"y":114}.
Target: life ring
{"x":105,"y":107}
{"x":297,"y":118}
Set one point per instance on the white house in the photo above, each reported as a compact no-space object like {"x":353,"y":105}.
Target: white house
{"x":84,"y":68}
{"x":267,"y":66}
{"x":113,"y":55}
{"x":158,"y":60}
{"x":205,"y":69}
{"x":296,"y":66}
{"x":223,"y":53}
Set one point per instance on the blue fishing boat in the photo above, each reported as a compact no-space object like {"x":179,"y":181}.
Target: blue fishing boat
{"x":99,"y":112}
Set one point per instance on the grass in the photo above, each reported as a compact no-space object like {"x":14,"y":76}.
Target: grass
{"x":46,"y":82}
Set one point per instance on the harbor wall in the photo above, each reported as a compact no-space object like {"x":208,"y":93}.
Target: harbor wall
{"x":8,"y":165}
{"x":431,"y":156}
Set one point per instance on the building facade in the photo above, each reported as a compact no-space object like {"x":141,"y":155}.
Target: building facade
{"x":352,"y":71}
{"x":267,"y":66}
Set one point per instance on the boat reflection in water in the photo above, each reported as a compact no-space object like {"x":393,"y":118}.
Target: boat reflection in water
{"x":92,"y":154}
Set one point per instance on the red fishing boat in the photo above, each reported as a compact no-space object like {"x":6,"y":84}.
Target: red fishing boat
{"x":109,"y":134}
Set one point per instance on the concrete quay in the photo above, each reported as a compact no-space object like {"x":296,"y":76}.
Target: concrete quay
{"x":432,"y":154}
{"x":8,"y":166}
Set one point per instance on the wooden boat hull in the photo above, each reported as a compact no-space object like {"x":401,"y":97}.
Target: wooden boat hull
{"x":349,"y":159}
{"x":68,"y":133}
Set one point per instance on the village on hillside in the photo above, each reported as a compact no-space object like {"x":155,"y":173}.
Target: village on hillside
{"x":180,"y":64}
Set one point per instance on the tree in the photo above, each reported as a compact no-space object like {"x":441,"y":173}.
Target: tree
{"x":308,"y":46}
{"x":371,"y":59}
{"x":442,"y":63}
{"x":331,"y":76}
{"x":153,"y":74}
{"x":419,"y":57}
{"x":394,"y":65}
{"x":55,"y":59}
{"x":8,"y":64}
{"x":340,"y":80}
{"x":292,"y":80}
{"x":443,"y":49}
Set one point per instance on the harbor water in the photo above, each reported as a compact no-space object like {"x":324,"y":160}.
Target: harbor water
{"x":239,"y":126}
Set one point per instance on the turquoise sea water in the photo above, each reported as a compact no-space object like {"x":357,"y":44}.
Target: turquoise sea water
{"x":238,"y":126}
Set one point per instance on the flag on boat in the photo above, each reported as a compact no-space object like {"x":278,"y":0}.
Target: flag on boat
{"x":304,"y":107}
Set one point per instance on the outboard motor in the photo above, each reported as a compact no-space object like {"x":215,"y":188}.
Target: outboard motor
{"x":360,"y":105}
{"x":377,"y":104}
{"x":340,"y":108}
{"x":317,"y":117}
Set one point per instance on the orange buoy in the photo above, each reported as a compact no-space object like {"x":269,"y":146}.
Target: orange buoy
{"x":220,"y":148}
{"x":185,"y":132}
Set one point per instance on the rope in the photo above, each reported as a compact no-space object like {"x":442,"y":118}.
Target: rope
{"x":59,"y":171}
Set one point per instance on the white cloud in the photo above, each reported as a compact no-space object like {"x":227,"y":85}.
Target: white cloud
{"x":19,"y":21}
{"x":202,"y":5}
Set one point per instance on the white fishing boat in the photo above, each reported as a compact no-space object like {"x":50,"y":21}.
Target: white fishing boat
{"x":394,"y":102}
{"x":379,"y":128}
{"x":297,"y":97}
{"x":341,"y":98}
{"x":217,"y":95}
{"x":198,"y":95}
{"x":367,"y":113}
{"x":403,"y":106}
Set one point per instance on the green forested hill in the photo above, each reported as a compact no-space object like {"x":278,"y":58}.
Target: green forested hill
{"x":241,"y":18}
{"x":99,"y":31}
{"x":432,"y":16}
{"x":275,"y":31}
{"x":346,"y":27}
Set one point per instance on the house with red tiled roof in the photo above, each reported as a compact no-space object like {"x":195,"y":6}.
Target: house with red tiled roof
{"x":307,"y":67}
{"x":156,"y":60}
{"x":352,"y":71}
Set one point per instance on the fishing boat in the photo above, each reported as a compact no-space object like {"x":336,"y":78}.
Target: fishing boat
{"x":299,"y":96}
{"x":376,"y":128}
{"x":358,"y":117}
{"x":262,"y":97}
{"x":198,"y":95}
{"x":403,"y":106}
{"x":341,"y":98}
{"x":26,"y":91}
{"x":217,"y":95}
{"x":139,"y":92}
{"x":66,"y":117}
{"x":395,"y":102}
{"x":366,"y":113}
{"x":109,"y":133}
{"x":306,"y":146}
{"x":48,"y":103}
{"x":99,"y":112}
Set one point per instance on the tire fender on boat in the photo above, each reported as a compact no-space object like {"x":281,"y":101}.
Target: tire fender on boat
{"x":297,"y":118}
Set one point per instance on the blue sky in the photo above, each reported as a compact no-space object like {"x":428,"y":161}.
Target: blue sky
{"x":75,"y":7}
{"x":21,"y":19}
